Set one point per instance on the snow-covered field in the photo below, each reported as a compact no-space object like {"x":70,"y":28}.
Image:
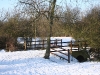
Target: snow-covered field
{"x":32,"y":63}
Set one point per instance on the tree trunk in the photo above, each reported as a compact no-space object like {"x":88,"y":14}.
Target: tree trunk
{"x":47,"y":54}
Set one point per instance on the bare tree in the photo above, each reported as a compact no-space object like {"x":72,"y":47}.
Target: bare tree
{"x":37,"y":8}
{"x":34,"y":9}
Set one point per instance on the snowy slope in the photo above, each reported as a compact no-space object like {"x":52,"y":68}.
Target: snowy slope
{"x":33,"y":63}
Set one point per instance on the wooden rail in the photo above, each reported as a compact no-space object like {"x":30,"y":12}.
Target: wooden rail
{"x":42,"y":44}
{"x":61,"y":57}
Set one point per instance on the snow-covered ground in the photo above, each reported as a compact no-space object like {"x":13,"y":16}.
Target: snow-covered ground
{"x":32,"y":63}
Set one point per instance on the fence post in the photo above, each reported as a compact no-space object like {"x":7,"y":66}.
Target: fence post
{"x":39,"y":45}
{"x":68,"y":56}
{"x":43,"y":44}
{"x":61,"y":43}
{"x":98,"y":52}
{"x":56,"y":42}
{"x":78,"y":47}
{"x":71,"y":46}
{"x":25,"y":44}
{"x":85,"y":45}
{"x":35,"y":44}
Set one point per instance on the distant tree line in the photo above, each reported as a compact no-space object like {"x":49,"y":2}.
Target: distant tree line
{"x":32,"y":20}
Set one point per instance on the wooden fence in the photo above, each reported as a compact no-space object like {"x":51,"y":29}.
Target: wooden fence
{"x":58,"y":43}
{"x":42,"y":44}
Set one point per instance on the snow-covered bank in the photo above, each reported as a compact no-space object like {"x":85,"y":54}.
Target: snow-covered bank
{"x":33,"y":63}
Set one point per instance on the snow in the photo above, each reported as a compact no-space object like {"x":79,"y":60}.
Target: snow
{"x":32,"y":63}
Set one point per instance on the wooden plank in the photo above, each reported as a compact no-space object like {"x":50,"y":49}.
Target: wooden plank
{"x":63,"y":53}
{"x":59,"y":56}
{"x":58,"y":50}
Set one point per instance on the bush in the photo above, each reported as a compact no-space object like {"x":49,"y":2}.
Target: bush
{"x":2,"y":42}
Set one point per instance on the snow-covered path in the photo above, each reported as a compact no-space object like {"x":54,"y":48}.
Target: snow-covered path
{"x":33,"y":63}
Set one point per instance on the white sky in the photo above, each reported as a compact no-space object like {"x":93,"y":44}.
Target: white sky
{"x":9,"y":4}
{"x":82,"y":4}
